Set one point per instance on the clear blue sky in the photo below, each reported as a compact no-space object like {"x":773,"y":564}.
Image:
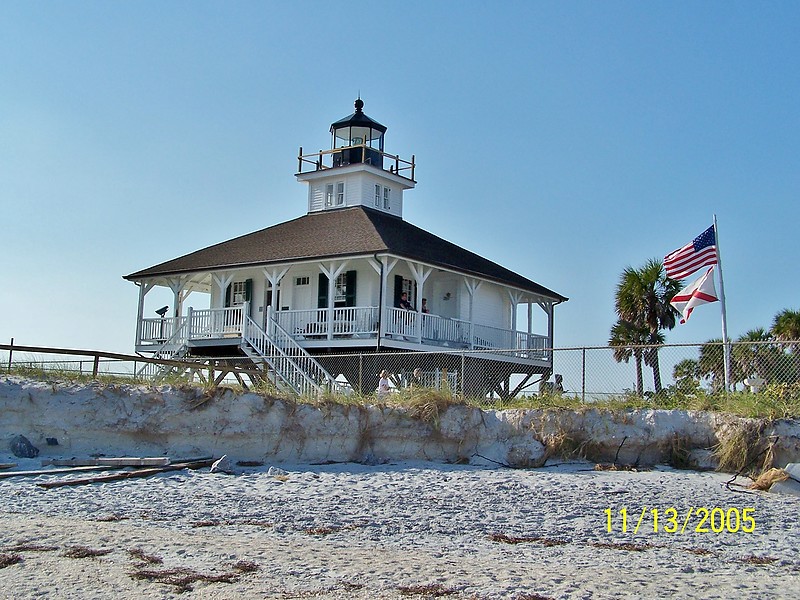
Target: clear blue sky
{"x":562,"y":140}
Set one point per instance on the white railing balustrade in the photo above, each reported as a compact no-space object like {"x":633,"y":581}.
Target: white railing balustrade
{"x":313,"y":324}
{"x":486,"y":337}
{"x":301,"y":322}
{"x":443,"y":331}
{"x":537,"y":346}
{"x":298,"y":355}
{"x":402,"y":323}
{"x":158,"y":331}
{"x":291,"y":364}
{"x":215,"y":323}
{"x":351,"y":322}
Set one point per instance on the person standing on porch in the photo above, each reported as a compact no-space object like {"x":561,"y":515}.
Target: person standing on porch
{"x":404,"y":303}
{"x":425,"y":306}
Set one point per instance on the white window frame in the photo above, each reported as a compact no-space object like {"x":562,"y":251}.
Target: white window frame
{"x":302,"y":280}
{"x":329,"y":195}
{"x":410,"y":288}
{"x":340,"y":193}
{"x":340,"y":289}
{"x":238,"y":293}
{"x":387,"y":191}
{"x":378,"y":195}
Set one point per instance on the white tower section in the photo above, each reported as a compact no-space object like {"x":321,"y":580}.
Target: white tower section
{"x":356,"y":171}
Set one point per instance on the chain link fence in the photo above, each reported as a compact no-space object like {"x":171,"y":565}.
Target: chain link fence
{"x":489,"y":378}
{"x":588,"y":373}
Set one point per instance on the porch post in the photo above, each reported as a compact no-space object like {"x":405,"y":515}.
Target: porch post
{"x":274,"y":278}
{"x":530,"y":318}
{"x":144,"y":287}
{"x":530,"y":324}
{"x":515,"y":298}
{"x":383,"y":268}
{"x":421,"y":274}
{"x":331,"y":273}
{"x":472,"y":286}
{"x":176,"y":285}
{"x":223,"y":280}
{"x":189,"y":323}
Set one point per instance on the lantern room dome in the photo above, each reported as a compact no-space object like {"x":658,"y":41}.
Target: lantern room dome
{"x":358,"y":129}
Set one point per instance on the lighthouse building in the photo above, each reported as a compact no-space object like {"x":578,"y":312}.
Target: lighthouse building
{"x":336,"y":295}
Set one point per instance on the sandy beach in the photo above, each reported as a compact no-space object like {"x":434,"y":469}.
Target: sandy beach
{"x":397,"y":530}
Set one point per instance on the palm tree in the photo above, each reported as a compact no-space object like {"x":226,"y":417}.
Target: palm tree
{"x":752,"y":355}
{"x":685,"y":373}
{"x":711,"y":363}
{"x":642,"y":298}
{"x":627,"y":340}
{"x":786,"y":327}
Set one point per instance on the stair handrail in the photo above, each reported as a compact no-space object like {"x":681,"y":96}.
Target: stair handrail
{"x":172,"y":340}
{"x":289,"y":345}
{"x":284,"y":365}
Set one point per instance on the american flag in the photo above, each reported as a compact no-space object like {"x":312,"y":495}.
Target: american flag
{"x":700,"y":252}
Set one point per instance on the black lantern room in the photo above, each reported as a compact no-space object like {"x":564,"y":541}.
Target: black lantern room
{"x":360,"y":138}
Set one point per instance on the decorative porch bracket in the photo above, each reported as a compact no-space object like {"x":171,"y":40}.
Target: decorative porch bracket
{"x":472,"y":285}
{"x":515,"y":297}
{"x":274,"y":277}
{"x":383,"y":268}
{"x":176,"y":284}
{"x":547,"y":307}
{"x":420,"y":275}
{"x":332,"y":272}
{"x":144,"y":288}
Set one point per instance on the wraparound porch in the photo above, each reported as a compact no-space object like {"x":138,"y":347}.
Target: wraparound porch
{"x":347,"y":327}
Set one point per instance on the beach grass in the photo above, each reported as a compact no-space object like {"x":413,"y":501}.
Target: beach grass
{"x":775,"y":401}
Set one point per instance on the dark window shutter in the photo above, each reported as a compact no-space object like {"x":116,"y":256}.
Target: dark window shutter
{"x":398,"y":289}
{"x":322,"y":292}
{"x":228,"y":296}
{"x":248,"y":290}
{"x":350,"y":291}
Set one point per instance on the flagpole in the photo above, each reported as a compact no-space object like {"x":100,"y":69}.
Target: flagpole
{"x":725,"y":343}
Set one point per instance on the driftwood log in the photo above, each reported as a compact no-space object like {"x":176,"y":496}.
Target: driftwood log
{"x":194,"y":464}
{"x":8,"y":474}
{"x":125,"y":461}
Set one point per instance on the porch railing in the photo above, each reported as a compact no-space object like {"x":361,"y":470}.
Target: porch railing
{"x":209,"y":323}
{"x":158,"y":331}
{"x":293,"y":368}
{"x":313,"y":324}
{"x":457,"y":333}
{"x":297,"y":354}
{"x":350,"y":323}
{"x":215,"y":323}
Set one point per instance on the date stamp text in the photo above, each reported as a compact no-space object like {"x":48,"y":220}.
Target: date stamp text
{"x":698,"y":519}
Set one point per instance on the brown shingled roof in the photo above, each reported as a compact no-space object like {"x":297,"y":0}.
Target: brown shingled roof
{"x":355,"y":231}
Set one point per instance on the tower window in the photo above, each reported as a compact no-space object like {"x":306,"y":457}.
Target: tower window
{"x":329,"y":195}
{"x":378,"y":196}
{"x":340,"y":193}
{"x":386,"y":195}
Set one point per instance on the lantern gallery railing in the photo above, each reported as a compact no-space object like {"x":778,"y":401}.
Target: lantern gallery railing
{"x":360,"y":153}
